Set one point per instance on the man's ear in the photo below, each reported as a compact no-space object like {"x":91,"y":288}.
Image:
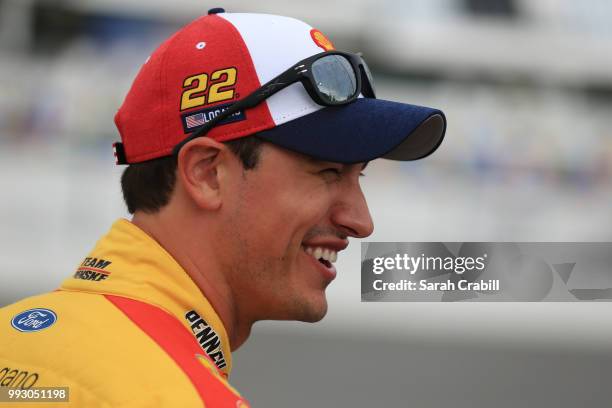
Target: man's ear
{"x":200,"y":166}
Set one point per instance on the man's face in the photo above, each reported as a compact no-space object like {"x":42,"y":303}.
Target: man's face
{"x":283,"y":213}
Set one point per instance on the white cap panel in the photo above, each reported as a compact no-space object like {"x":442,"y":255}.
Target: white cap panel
{"x":275,"y":44}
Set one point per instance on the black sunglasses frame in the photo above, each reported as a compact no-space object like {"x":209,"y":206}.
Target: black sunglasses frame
{"x":300,"y":72}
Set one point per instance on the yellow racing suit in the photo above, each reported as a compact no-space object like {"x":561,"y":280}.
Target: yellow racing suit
{"x":129,"y":328}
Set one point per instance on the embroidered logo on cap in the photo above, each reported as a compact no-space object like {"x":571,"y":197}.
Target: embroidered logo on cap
{"x":321,"y":40}
{"x":194,"y":120}
{"x":202,"y":89}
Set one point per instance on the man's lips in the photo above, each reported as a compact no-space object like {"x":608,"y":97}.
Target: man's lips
{"x":324,"y":251}
{"x":322,"y":254}
{"x":333,"y":244}
{"x":323,"y":261}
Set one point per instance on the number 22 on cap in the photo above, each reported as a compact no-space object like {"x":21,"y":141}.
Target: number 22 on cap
{"x":198,"y":91}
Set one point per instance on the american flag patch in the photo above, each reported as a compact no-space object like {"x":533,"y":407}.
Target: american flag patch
{"x":194,"y":120}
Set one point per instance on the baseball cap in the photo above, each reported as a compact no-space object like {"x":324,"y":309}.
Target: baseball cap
{"x":221,"y":58}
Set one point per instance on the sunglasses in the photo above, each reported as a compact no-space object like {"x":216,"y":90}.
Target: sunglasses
{"x":331,"y":78}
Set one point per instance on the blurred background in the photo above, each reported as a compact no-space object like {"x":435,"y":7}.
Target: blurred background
{"x":527,"y":89}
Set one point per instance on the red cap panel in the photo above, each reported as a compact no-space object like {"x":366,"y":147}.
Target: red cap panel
{"x":186,"y":81}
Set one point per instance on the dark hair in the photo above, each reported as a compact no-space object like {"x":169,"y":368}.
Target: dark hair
{"x":148,"y":186}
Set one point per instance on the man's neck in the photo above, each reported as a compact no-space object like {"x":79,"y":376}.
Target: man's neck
{"x":200,"y":267}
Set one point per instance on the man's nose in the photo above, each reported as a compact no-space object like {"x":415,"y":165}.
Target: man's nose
{"x":351,"y":214}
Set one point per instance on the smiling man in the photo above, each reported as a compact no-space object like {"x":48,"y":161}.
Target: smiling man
{"x":245,"y":136}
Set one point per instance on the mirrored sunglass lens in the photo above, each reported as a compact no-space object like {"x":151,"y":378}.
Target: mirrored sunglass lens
{"x":335,"y":78}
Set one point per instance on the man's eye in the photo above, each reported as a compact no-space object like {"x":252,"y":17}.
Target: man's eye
{"x":331,"y":170}
{"x":331,"y":174}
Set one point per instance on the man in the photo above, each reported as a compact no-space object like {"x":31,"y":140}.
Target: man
{"x":245,"y":136}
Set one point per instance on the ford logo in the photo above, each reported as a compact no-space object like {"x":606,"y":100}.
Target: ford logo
{"x":34,"y":320}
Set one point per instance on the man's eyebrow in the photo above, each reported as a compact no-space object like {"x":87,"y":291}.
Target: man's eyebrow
{"x":365,"y":165}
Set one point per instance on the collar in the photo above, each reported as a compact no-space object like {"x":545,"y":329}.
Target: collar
{"x":129,"y":263}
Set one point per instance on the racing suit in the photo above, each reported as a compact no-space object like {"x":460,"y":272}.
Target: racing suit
{"x":128,"y":328}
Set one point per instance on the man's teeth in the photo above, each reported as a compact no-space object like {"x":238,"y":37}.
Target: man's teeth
{"x":322,"y":253}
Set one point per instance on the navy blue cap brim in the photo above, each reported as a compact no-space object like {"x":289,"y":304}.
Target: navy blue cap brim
{"x":362,"y":131}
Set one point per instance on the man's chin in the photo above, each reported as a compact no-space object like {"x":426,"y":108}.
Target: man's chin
{"x":313,"y":318}
{"x":305,"y":310}
{"x":314,"y":311}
